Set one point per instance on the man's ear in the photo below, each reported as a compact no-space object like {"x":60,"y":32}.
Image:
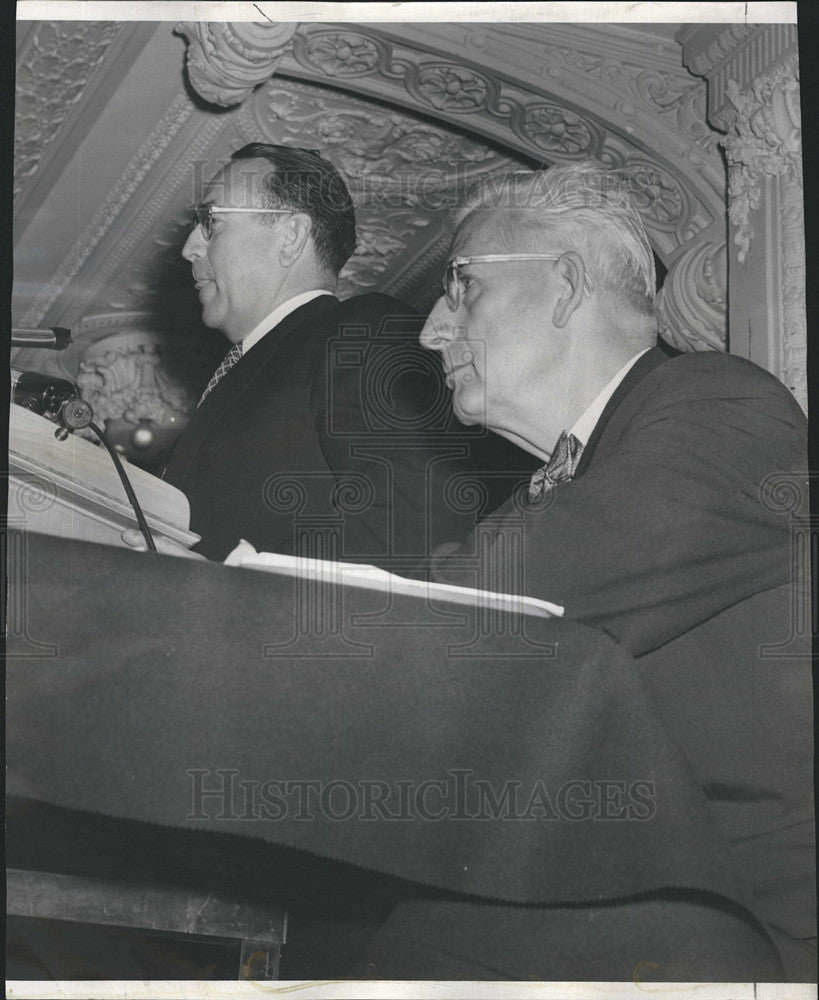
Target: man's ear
{"x":298,"y":230}
{"x":572,"y":270}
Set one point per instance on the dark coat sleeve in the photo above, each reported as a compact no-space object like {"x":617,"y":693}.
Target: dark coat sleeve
{"x":669,"y":525}
{"x":384,"y":425}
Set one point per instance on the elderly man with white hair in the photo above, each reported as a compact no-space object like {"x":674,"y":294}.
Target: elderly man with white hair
{"x":651,"y":517}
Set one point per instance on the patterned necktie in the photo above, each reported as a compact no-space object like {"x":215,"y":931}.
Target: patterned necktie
{"x":228,"y":362}
{"x":560,"y":467}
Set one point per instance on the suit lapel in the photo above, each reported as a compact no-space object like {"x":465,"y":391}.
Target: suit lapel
{"x":238,"y":383}
{"x":647,"y":363}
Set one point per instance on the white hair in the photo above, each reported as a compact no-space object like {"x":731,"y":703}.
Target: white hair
{"x":582,"y":207}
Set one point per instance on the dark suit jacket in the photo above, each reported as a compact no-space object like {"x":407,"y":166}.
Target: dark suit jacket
{"x":667,"y":540}
{"x":333,"y":428}
{"x":664,"y":524}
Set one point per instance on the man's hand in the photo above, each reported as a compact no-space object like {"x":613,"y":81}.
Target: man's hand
{"x":165,"y":546}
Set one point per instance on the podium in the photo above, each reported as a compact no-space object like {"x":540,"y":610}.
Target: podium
{"x":71,"y":489}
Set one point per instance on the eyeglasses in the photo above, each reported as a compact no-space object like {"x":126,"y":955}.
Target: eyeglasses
{"x":453,"y":284}
{"x":203,"y":215}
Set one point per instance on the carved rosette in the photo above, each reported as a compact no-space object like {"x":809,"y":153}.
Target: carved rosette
{"x":451,"y":88}
{"x":764,"y":140}
{"x":338,"y":53}
{"x":658,"y":196}
{"x":692,"y":307}
{"x":555,"y":129}
{"x":227,"y":60}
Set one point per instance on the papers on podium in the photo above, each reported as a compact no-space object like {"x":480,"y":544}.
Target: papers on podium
{"x":373,"y":578}
{"x":71,"y":488}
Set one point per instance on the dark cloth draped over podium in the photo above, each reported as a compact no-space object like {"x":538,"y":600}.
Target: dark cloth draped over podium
{"x":487,"y":759}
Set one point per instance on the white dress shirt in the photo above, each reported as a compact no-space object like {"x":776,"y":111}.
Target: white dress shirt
{"x":274,"y":318}
{"x":585,"y":423}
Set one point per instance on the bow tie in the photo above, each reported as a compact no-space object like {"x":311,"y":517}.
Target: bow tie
{"x":560,"y":467}
{"x":229,"y":360}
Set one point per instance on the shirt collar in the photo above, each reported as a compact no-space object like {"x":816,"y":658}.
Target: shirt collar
{"x":585,"y":423}
{"x":274,"y":318}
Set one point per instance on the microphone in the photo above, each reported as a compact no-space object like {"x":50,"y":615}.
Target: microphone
{"x":55,"y":338}
{"x":42,"y":394}
{"x":60,"y":401}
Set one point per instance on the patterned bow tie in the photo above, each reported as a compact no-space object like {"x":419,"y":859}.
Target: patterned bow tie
{"x":229,"y":360}
{"x":560,"y":467}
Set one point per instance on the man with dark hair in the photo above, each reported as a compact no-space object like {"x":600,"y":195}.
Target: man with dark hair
{"x":325,"y":420}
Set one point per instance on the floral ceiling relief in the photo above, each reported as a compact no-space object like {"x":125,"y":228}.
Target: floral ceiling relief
{"x":381,"y":239}
{"x":403,"y":173}
{"x":60,"y":60}
{"x":338,"y":53}
{"x":625,"y":96}
{"x":556,"y":130}
{"x":448,"y":87}
{"x":368,"y":144}
{"x":657,"y":195}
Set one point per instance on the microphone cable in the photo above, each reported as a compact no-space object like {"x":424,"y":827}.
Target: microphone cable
{"x":129,"y":490}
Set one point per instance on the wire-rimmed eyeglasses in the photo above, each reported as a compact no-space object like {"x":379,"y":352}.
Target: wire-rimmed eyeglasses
{"x":203,"y":215}
{"x":453,"y":285}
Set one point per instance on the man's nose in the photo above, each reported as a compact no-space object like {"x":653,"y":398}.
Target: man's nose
{"x":437,"y":331}
{"x":194,"y":245}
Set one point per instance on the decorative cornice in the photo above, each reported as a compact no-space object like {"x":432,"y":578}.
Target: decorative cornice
{"x":512,"y":100}
{"x":624,"y":45}
{"x":226,"y":61}
{"x":733,"y":54}
{"x":764,"y":140}
{"x":540,"y":128}
{"x":448,"y":87}
{"x":692,"y":306}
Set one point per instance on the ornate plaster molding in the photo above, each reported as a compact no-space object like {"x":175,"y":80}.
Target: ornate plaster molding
{"x":733,"y":54}
{"x":764,"y":140}
{"x":661,"y":92}
{"x":403,"y":172}
{"x":56,"y":66}
{"x":121,"y":201}
{"x":447,"y":86}
{"x":634,"y":85}
{"x":793,"y":371}
{"x":389,"y":158}
{"x":692,"y":306}
{"x":513,"y":100}
{"x":226,"y":61}
{"x":123,"y":377}
{"x":524,"y":121}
